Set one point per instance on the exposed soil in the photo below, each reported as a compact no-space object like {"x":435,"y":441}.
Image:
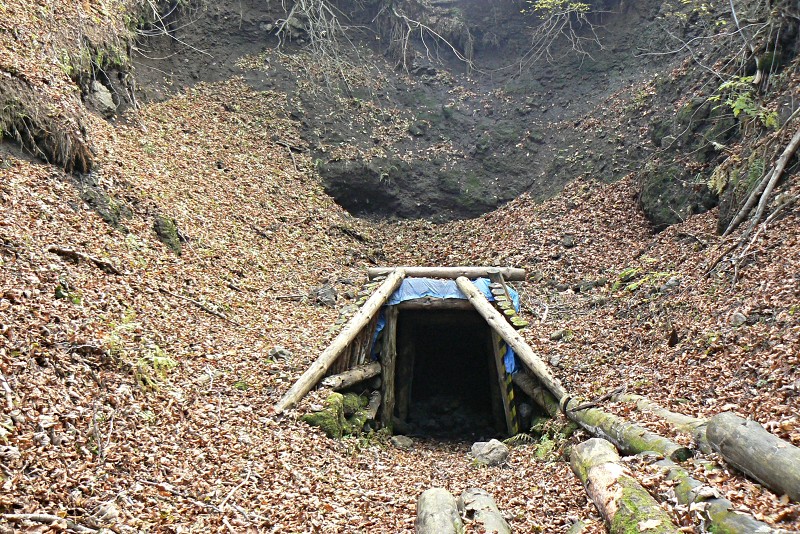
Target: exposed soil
{"x":435,"y":142}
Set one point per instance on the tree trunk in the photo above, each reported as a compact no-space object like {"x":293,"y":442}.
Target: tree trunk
{"x":352,"y":376}
{"x":629,"y":437}
{"x":691,"y":425}
{"x":625,"y":505}
{"x":348,"y":333}
{"x":479,"y":505}
{"x":437,"y":513}
{"x":509,"y":273}
{"x":507,"y":332}
{"x":717,"y":513}
{"x":747,"y":446}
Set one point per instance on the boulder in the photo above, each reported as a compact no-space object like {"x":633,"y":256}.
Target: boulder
{"x":402,"y":442}
{"x":101,"y":99}
{"x":490,"y":452}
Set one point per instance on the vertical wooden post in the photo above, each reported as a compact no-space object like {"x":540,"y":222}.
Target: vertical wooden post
{"x":406,"y":355}
{"x":495,"y":389}
{"x":388,"y":359}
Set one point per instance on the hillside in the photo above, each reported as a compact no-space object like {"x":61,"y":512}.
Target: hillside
{"x":146,"y":290}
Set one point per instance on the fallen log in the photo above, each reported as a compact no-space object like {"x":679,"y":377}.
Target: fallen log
{"x":748,"y":447}
{"x":509,"y":273}
{"x":716,"y":513}
{"x":372,"y":407}
{"x":628,"y":437}
{"x":352,"y":376}
{"x":512,"y":337}
{"x":480,"y":506}
{"x":691,"y":425}
{"x":437,"y":513}
{"x":624,"y":504}
{"x":361,"y":318}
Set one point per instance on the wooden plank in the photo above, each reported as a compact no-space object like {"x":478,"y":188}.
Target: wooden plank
{"x":356,"y":323}
{"x":507,"y":332}
{"x":509,"y":273}
{"x":498,"y":352}
{"x":388,"y":359}
{"x":406,"y":355}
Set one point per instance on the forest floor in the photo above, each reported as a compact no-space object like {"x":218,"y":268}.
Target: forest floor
{"x":132,"y":407}
{"x":137,"y":383}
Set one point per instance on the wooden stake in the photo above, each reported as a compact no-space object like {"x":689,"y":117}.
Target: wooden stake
{"x":507,"y":332}
{"x":350,"y":331}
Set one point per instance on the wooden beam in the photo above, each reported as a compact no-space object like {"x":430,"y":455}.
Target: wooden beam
{"x":509,"y":273}
{"x":433,"y":303}
{"x":500,"y":325}
{"x":361,"y":318}
{"x":498,"y":353}
{"x":352,"y":376}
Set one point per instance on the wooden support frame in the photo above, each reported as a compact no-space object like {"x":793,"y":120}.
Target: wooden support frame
{"x":362,"y":318}
{"x":509,"y":411}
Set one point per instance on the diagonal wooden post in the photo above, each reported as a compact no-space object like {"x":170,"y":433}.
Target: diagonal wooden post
{"x":348,"y":333}
{"x":507,"y":332}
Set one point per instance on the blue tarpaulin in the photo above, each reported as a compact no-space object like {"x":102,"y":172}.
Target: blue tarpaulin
{"x":415,"y":288}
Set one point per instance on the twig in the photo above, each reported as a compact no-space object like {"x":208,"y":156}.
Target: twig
{"x":289,"y":297}
{"x":98,"y":437}
{"x":234,"y":490}
{"x":8,"y":391}
{"x":76,"y":256}
{"x":596,"y":401}
{"x":199,"y":305}
{"x":163,"y":486}
{"x":48,"y":519}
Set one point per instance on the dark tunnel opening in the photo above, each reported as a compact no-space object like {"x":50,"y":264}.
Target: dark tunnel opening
{"x":445,"y":378}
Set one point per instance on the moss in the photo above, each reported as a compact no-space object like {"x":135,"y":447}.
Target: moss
{"x":331,"y":418}
{"x":167,"y":233}
{"x":352,"y":403}
{"x":635,"y":506}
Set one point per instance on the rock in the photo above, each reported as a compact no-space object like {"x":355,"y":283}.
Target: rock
{"x":490,"y":452}
{"x":738,"y":319}
{"x":557,"y":335}
{"x":325,"y":295}
{"x":670,"y":194}
{"x":437,"y":513}
{"x":101,"y":99}
{"x":670,"y":284}
{"x":555,"y":360}
{"x":331,"y":419}
{"x":402,"y":442}
{"x":279,"y":353}
{"x":167,"y":232}
{"x":568,"y":241}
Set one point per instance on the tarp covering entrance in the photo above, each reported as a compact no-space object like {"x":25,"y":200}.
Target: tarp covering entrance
{"x":416,"y":288}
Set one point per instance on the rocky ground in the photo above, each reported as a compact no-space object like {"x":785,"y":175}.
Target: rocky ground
{"x":139,"y":368}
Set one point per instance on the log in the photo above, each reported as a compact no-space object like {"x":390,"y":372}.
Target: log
{"x":509,"y":413}
{"x":624,"y":504}
{"x":437,"y":513}
{"x":480,"y":506}
{"x":718,"y":514}
{"x":352,"y":376}
{"x":684,"y":423}
{"x":748,"y":447}
{"x":628,"y":437}
{"x":507,"y":332}
{"x":509,"y":273}
{"x":532,"y":388}
{"x":361,"y":318}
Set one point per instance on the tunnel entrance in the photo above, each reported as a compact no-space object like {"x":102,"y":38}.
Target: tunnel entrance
{"x":446,"y":381}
